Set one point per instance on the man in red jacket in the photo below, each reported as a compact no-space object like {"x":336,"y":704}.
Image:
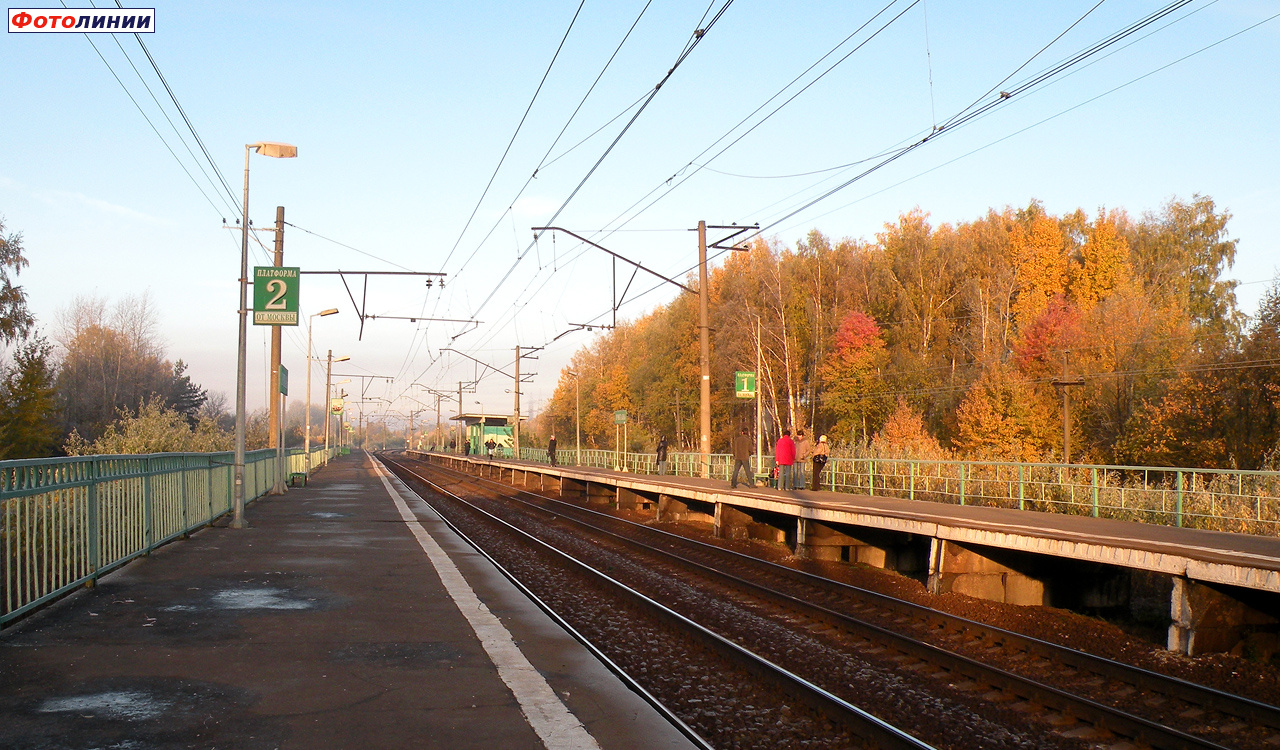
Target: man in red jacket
{"x":784,"y":455}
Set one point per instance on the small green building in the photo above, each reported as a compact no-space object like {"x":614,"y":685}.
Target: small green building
{"x":478,"y":428}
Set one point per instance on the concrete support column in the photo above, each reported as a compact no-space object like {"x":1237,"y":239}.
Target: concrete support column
{"x":572,"y":489}
{"x":601,"y":494}
{"x":958,"y":568}
{"x":629,"y":499}
{"x":815,"y":540}
{"x":731,"y":523}
{"x":1206,"y":620}
{"x":937,"y":556}
{"x":673,"y":509}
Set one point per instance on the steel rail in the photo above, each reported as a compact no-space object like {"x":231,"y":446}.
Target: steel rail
{"x":879,"y":733}
{"x":1099,"y":714}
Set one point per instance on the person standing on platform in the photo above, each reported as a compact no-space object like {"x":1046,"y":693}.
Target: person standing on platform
{"x":491,"y":444}
{"x":551,"y":450}
{"x":784,"y":455}
{"x":819,"y":461}
{"x":741,"y":459}
{"x":661,"y":456}
{"x":804,"y":451}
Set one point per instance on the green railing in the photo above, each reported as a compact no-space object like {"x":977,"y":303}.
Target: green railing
{"x":1245,"y":502}
{"x":66,"y":521}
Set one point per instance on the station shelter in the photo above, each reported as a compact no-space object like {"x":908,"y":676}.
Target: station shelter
{"x":478,"y":428}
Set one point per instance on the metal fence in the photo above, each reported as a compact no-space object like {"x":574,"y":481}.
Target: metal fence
{"x":66,"y":521}
{"x":1246,"y":502}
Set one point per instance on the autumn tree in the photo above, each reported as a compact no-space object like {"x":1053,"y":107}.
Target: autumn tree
{"x":850,"y":376}
{"x":1003,"y":417}
{"x":114,"y":361}
{"x":29,"y":424}
{"x":905,"y":436}
{"x":15,"y":318}
{"x":1102,"y":265}
{"x":1181,"y":253}
{"x":1038,"y":251}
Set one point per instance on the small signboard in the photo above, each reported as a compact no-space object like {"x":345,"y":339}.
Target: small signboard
{"x":284,"y":381}
{"x":744,"y":384}
{"x":620,"y":416}
{"x":275,"y":296}
{"x":335,"y":405}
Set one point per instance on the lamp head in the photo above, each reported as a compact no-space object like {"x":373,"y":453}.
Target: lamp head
{"x":341,"y":359}
{"x":275,"y":150}
{"x":330,"y":311}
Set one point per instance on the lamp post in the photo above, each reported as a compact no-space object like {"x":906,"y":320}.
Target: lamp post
{"x":328,"y":383}
{"x":307,"y":437}
{"x":577,"y":416}
{"x":278,"y":151}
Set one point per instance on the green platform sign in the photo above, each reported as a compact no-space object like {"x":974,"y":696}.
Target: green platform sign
{"x":275,"y":296}
{"x":744,"y":384}
{"x":284,"y":380}
{"x":620,"y":416}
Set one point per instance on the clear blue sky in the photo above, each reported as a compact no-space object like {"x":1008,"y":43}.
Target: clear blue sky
{"x":401,"y":111}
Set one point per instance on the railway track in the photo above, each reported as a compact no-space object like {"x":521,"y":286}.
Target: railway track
{"x":1071,"y":693}
{"x":816,"y":717}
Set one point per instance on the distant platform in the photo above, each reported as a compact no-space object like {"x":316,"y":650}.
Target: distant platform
{"x":1216,"y":589}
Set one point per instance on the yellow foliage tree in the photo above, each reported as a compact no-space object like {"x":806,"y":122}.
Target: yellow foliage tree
{"x":1039,"y":256}
{"x":1002,"y":417}
{"x":905,"y":436}
{"x":1103,"y":266}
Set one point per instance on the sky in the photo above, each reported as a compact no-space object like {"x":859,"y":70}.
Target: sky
{"x":433,"y":137}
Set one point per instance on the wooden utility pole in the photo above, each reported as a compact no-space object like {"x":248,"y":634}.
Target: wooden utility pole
{"x":274,"y":418}
{"x":704,"y":356}
{"x":1065,"y":385}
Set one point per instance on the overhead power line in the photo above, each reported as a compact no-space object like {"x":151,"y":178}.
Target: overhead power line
{"x":543,"y":162}
{"x":694,"y":40}
{"x":511,"y":142}
{"x":969,"y":113}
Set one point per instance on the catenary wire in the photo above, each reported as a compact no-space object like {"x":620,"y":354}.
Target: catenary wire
{"x":511,"y":142}
{"x":695,"y":39}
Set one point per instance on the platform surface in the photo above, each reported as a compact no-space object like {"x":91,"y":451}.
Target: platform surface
{"x":324,"y":624}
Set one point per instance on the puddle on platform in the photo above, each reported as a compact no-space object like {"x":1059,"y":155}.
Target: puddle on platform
{"x":128,"y":705}
{"x":326,"y":514}
{"x":258,"y":598}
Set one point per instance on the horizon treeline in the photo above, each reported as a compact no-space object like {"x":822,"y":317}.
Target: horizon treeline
{"x":951,"y":340}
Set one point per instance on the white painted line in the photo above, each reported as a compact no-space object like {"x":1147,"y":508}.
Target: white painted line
{"x":547,"y":715}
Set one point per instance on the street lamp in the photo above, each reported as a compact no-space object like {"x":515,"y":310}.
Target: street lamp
{"x":328,"y":410}
{"x":577,"y":415}
{"x":278,"y":151}
{"x":307,"y":438}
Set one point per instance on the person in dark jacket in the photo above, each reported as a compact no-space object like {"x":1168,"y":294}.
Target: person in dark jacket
{"x":551,"y":450}
{"x":661,"y":456}
{"x":819,"y":459}
{"x":741,"y":459}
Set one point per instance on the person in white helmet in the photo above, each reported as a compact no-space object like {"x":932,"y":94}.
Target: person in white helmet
{"x":819,"y":459}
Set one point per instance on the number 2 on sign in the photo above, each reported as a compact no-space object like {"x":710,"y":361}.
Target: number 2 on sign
{"x":279,"y":288}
